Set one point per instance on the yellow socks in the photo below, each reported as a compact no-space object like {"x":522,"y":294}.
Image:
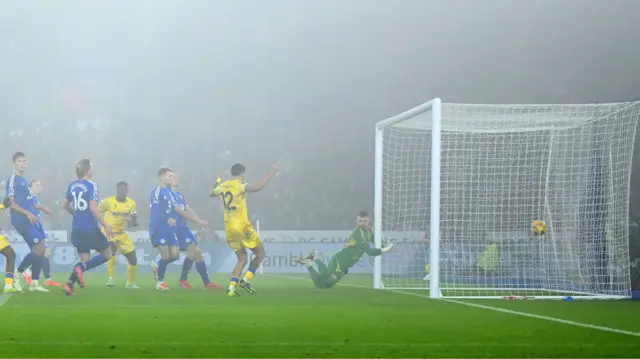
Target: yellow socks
{"x":248,"y":276}
{"x":8,"y":280}
{"x":232,"y":284}
{"x":111,"y":265}
{"x":131,"y":274}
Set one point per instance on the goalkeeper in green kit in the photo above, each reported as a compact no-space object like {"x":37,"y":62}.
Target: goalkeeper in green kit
{"x":326,"y":276}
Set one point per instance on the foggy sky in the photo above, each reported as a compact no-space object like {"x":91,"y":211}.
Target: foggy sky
{"x":355,"y":58}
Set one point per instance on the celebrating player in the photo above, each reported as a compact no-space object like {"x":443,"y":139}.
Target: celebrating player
{"x":10,"y":258}
{"x":81,"y":201}
{"x":239,"y":232}
{"x":119,"y":212}
{"x":187,"y":242}
{"x":36,"y":188}
{"x":357,"y":245}
{"x":162,"y":224}
{"x":25,"y":220}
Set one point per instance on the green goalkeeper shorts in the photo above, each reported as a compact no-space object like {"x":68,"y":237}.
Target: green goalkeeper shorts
{"x":335,"y":271}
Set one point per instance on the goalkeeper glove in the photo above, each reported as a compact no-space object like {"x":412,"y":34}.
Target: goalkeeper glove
{"x":7,"y":202}
{"x":386,"y":248}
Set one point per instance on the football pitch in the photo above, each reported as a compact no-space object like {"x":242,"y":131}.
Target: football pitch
{"x":290,"y":318}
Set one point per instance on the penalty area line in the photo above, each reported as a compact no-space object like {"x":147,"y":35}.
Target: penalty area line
{"x":498,"y":309}
{"x":4,"y":298}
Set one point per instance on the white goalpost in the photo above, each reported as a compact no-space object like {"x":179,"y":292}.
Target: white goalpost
{"x":457,"y":187}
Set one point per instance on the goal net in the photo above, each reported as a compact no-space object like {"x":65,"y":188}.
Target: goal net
{"x":459,"y":185}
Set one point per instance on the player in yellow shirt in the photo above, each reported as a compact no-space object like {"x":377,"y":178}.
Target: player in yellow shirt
{"x":10,"y":285}
{"x":120,"y":213}
{"x":238,"y":230}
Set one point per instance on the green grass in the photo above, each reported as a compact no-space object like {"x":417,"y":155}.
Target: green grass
{"x":290,"y":318}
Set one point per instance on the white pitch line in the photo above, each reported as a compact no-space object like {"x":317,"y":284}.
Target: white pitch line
{"x":544,"y":317}
{"x":501,"y":310}
{"x":4,"y":298}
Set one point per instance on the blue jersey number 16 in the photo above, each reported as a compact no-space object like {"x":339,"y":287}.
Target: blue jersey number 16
{"x":79,"y":203}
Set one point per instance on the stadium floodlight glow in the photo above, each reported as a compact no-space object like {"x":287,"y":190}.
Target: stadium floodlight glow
{"x":458,"y":187}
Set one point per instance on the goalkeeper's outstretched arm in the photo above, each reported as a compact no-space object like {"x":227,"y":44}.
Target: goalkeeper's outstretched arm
{"x":373,"y":252}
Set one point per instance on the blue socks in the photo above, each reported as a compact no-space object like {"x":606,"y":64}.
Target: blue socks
{"x":186,"y":268}
{"x":35,"y":262}
{"x":36,"y":267}
{"x":162,"y":269}
{"x":26,"y":262}
{"x":201,"y":267}
{"x":90,"y":264}
{"x":46,"y":268}
{"x":95,"y":261}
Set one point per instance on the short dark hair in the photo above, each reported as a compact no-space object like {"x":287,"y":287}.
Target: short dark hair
{"x":82,"y":167}
{"x":237,"y":169}
{"x":122,"y":184}
{"x":363,"y":214}
{"x":17,"y":156}
{"x":163,"y":171}
{"x":32,"y":182}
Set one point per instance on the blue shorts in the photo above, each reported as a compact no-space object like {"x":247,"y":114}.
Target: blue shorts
{"x":87,"y":239}
{"x":185,"y":237}
{"x":164,"y":238}
{"x":33,"y":234}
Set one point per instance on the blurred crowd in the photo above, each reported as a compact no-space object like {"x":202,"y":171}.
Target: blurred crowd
{"x":326,"y":171}
{"x":312,"y":191}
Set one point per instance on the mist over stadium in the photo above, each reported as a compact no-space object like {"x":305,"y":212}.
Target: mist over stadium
{"x":199,"y":86}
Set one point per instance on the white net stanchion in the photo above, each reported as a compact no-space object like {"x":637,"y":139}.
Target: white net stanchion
{"x":497,"y":168}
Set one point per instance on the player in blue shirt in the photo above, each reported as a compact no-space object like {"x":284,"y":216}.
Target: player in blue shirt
{"x":81,"y":201}
{"x":187,"y":243}
{"x":36,"y":188}
{"x":25,"y":220}
{"x":162,"y":224}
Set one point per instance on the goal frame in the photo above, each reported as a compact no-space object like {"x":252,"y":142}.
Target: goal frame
{"x":435,"y":107}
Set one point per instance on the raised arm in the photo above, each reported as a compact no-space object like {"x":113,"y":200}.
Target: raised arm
{"x":258,"y":186}
{"x":215,"y":192}
{"x":363,"y":244}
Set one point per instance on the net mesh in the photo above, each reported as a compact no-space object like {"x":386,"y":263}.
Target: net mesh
{"x":502,"y":167}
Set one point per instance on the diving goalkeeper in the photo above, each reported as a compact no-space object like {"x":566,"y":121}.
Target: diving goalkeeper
{"x":326,"y":276}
